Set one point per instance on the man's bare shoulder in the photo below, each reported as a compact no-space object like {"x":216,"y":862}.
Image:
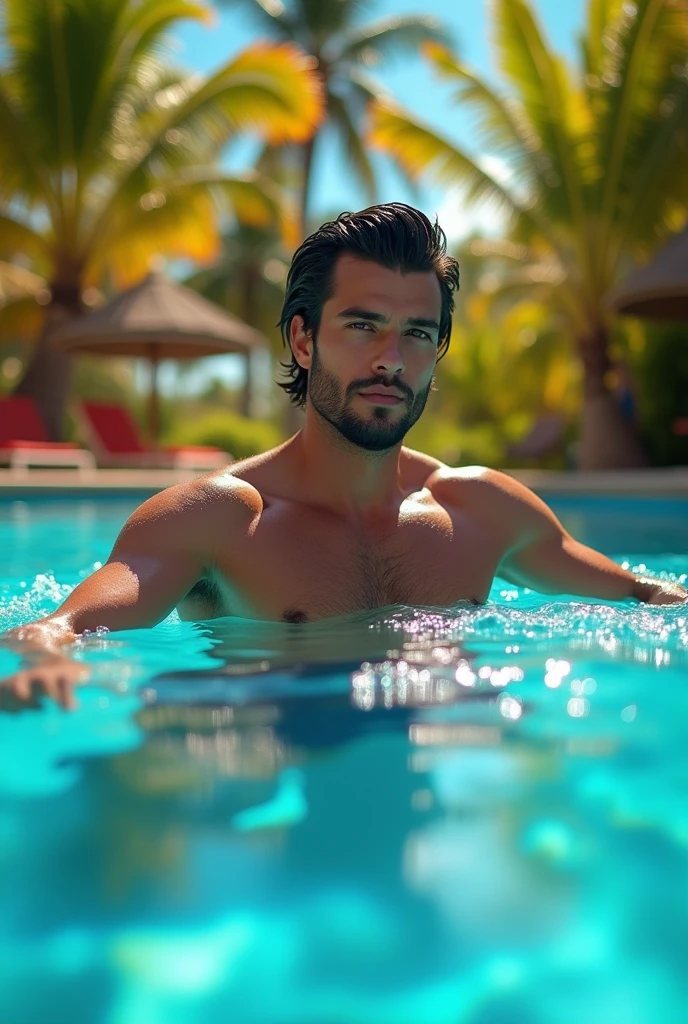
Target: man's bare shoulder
{"x":475,"y":480}
{"x":197,"y":505}
{"x":489,"y":492}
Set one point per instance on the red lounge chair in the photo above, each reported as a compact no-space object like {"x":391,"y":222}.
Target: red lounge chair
{"x":24,"y":439}
{"x":114,"y":438}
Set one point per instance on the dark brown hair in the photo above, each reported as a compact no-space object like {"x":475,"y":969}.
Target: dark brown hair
{"x":394,"y":235}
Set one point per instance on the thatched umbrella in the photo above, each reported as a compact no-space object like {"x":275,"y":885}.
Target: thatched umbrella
{"x":159,"y":319}
{"x":658,"y":291}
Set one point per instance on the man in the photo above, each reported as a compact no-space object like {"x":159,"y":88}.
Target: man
{"x":341,"y":517}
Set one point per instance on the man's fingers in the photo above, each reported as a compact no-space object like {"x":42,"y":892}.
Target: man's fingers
{"x":57,"y":681}
{"x":66,"y":698}
{"x":22,"y":686}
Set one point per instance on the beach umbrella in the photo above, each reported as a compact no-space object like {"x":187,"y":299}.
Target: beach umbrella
{"x":159,"y":319}
{"x":659,"y":290}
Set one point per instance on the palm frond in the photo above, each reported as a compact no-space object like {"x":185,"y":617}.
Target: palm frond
{"x":268,"y":89}
{"x":350,"y":133}
{"x":270,"y":15}
{"x":500,"y":125}
{"x":18,"y":237}
{"x":181,"y":225}
{"x":23,"y":175}
{"x":601,"y":13}
{"x":642,"y":82}
{"x":544,"y":94}
{"x":364,"y":88}
{"x":659,"y":182}
{"x":419,"y":150}
{"x":255,"y":201}
{"x":70,"y":57}
{"x":389,"y":36}
{"x":182,"y":218}
{"x":129,"y":62}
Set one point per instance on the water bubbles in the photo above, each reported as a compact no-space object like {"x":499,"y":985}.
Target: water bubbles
{"x":464,"y":675}
{"x":510,"y":707}
{"x":581,"y":687}
{"x":555,"y":672}
{"x":578,"y":707}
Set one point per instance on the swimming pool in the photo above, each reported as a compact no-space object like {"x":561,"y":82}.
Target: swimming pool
{"x":413,"y":816}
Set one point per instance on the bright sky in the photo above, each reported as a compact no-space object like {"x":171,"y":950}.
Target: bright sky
{"x":411,"y":82}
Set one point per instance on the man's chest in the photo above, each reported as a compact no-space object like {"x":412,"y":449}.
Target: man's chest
{"x":301,"y":565}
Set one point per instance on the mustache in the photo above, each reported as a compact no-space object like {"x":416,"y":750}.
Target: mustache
{"x":387,"y":382}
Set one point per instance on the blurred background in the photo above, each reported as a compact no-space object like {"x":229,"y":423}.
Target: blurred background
{"x":202,"y":141}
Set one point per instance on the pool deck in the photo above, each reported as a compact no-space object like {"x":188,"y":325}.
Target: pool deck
{"x":64,"y":483}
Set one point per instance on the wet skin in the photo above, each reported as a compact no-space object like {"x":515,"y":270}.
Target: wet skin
{"x":340,"y":518}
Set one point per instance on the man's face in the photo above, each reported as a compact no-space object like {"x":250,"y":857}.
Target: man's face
{"x":371,"y":371}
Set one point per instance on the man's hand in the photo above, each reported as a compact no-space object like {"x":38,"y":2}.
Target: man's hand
{"x":653,"y":591}
{"x":55,"y":676}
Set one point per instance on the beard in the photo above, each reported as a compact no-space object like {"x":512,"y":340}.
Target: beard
{"x":377,"y":433}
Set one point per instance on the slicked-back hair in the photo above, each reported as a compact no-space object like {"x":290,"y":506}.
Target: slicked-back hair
{"x":394,"y":235}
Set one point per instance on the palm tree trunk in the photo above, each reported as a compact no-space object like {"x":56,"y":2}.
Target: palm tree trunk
{"x":249,"y":286}
{"x":608,"y":438}
{"x":308,"y":150}
{"x":48,"y":377}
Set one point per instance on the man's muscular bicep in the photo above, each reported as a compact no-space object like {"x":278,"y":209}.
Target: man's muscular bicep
{"x":156,"y":560}
{"x":538,"y":552}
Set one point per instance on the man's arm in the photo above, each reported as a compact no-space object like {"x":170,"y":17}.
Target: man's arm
{"x":159,"y":555}
{"x":540,"y":554}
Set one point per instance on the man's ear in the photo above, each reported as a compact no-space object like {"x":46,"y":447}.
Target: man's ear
{"x":301,"y":342}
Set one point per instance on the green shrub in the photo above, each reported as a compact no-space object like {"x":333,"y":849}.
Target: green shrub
{"x":661,"y":369}
{"x":235,"y":434}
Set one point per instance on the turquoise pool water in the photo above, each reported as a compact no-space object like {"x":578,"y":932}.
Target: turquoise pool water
{"x":465,"y":816}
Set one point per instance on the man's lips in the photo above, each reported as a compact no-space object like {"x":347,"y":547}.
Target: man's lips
{"x":382,"y":397}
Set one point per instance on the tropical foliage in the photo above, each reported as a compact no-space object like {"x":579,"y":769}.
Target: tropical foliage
{"x":109,"y":154}
{"x":344,"y":50}
{"x":236,"y":434}
{"x":505,"y":369}
{"x":597,"y":168}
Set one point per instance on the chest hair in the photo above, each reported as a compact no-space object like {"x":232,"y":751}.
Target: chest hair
{"x":383,"y":577}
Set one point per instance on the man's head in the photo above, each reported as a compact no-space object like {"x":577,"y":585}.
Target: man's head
{"x":368,"y":305}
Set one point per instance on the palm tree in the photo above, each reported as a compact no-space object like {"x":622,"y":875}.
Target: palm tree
{"x":248,"y":280}
{"x":343,"y":51}
{"x":109,"y":155}
{"x":597,"y":162}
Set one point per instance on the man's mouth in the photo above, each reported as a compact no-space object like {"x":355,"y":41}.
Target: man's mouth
{"x":382,"y":397}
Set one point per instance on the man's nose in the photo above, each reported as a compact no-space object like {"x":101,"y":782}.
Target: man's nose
{"x":388,"y":358}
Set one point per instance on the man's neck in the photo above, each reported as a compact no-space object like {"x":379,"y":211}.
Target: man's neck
{"x":355,"y":481}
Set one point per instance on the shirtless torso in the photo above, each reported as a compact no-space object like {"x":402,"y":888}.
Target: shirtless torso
{"x":298,"y":562}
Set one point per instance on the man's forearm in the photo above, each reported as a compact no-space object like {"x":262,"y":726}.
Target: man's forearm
{"x":37,"y":640}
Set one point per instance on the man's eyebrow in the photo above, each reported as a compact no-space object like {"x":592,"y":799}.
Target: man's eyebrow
{"x":364,"y":314}
{"x":421,"y":321}
{"x":379,"y":318}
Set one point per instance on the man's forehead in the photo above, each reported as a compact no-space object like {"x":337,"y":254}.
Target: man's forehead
{"x":358,"y":282}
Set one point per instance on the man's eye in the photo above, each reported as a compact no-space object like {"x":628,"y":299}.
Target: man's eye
{"x":360,"y":324}
{"x":417,"y":333}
